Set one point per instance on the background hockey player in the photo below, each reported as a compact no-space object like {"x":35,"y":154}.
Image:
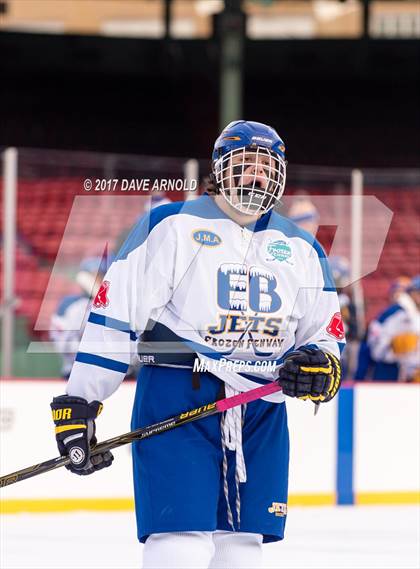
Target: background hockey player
{"x":393,"y":337}
{"x":304,"y":213}
{"x":340,"y":269}
{"x":69,"y":320}
{"x":219,"y":279}
{"x":366,"y":365}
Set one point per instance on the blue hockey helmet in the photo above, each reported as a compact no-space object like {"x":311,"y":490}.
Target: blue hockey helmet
{"x":249,"y":166}
{"x":340,"y":269}
{"x":92,"y":271}
{"x":247,"y":133}
{"x":414,"y":284}
{"x":398,"y":285}
{"x":96,"y":264}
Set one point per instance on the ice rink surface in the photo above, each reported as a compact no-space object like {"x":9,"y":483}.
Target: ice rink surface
{"x":341,"y":537}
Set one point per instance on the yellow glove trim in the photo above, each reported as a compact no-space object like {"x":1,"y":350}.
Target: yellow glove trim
{"x":312,"y":397}
{"x":335,"y":377}
{"x":327,"y":370}
{"x":68,"y":428}
{"x":334,"y":373}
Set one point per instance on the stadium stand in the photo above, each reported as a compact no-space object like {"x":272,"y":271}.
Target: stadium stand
{"x":43,"y":211}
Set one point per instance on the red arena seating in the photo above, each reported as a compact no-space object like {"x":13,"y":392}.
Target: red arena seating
{"x":43,"y":212}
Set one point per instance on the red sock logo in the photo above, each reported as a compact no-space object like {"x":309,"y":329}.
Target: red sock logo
{"x":101,"y":299}
{"x":336,"y":326}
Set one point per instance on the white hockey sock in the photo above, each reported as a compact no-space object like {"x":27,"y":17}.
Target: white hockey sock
{"x":178,"y":550}
{"x":237,"y":550}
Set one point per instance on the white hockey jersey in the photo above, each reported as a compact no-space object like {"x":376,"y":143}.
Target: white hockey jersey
{"x":190,"y":277}
{"x":403,"y":317}
{"x":67,"y":325}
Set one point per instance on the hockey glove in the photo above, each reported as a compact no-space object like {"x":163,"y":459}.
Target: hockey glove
{"x":309,"y":373}
{"x":74,"y":420}
{"x":404,"y":343}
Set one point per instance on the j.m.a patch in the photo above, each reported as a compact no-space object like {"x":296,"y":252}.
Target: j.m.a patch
{"x":206,"y":237}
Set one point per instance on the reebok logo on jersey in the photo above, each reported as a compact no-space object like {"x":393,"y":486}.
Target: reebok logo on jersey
{"x":278,"y":509}
{"x":101,"y":299}
{"x":206,"y":237}
{"x":336,"y":326}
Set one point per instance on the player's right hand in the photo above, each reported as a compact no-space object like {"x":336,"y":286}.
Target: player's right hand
{"x":74,"y":420}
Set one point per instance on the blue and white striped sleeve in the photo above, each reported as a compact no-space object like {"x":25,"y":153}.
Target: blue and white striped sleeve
{"x":138,"y":281}
{"x":321,"y":324}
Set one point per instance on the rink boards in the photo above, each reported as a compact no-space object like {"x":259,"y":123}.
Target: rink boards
{"x":362,"y":448}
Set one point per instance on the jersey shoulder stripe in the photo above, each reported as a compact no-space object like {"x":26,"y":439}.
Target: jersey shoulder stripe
{"x":387,"y":313}
{"x":203,"y":207}
{"x":144,"y":226}
{"x":291,"y":230}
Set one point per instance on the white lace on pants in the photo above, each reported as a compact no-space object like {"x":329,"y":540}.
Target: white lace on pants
{"x":231,"y":427}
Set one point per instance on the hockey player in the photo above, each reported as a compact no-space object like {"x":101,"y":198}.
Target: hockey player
{"x":304,"y":213}
{"x":366,"y":365}
{"x":209,"y":283}
{"x":393,"y":337}
{"x":69,"y":319}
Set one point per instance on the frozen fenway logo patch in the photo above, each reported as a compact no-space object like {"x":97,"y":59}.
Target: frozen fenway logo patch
{"x":279,"y":250}
{"x":336,"y":327}
{"x":101,"y":299}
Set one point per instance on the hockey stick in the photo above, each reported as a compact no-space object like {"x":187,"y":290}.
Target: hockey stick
{"x":146,"y":432}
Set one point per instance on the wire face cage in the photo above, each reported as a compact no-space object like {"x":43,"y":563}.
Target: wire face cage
{"x":251,"y":179}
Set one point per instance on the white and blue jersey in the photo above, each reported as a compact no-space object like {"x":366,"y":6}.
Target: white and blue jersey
{"x":189,"y":273}
{"x":403,"y":317}
{"x":67,"y":324}
{"x":199,"y":288}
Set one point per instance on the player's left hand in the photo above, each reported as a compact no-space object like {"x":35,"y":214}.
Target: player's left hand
{"x":309,"y":373}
